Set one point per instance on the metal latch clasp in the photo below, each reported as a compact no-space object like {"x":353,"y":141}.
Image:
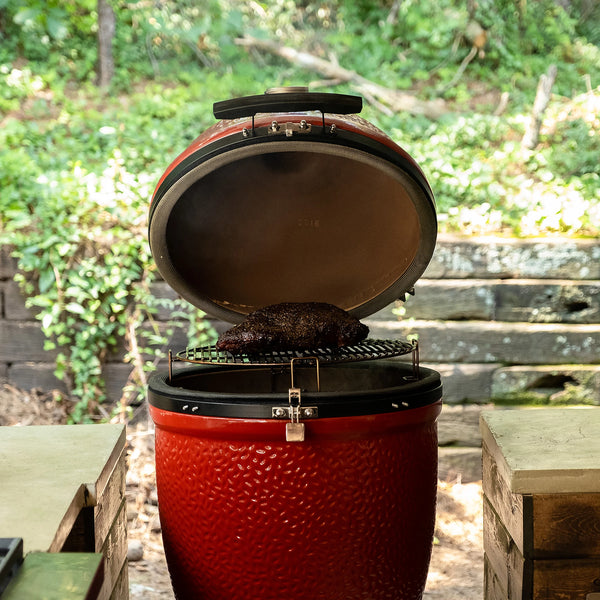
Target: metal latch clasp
{"x":294,"y":430}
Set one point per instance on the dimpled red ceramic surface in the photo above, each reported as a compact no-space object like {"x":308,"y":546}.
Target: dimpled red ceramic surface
{"x":347,"y":514}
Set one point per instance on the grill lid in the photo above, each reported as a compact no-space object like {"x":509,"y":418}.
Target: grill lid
{"x":297,"y":206}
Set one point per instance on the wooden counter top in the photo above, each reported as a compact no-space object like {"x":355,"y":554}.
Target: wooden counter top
{"x":48,"y":474}
{"x":545,"y":450}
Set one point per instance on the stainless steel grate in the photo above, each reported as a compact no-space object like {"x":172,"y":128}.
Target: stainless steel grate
{"x":367,"y":350}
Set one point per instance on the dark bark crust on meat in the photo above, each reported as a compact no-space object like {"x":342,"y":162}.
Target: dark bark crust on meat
{"x":293,"y":326}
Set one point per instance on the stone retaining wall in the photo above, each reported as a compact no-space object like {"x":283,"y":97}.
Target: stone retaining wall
{"x":494,"y":316}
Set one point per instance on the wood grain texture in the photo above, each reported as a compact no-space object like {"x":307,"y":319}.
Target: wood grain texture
{"x":114,"y":551}
{"x":492,"y":588}
{"x":496,"y":545}
{"x":565,"y":579}
{"x":121,"y":589}
{"x":566,"y":526}
{"x":110,"y":501}
{"x":513,"y":573}
{"x":512,"y":258}
{"x":494,"y":341}
{"x":541,"y":546}
{"x":511,"y":508}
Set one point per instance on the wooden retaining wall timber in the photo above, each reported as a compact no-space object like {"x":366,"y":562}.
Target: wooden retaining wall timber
{"x":503,"y":316}
{"x":495,"y":316}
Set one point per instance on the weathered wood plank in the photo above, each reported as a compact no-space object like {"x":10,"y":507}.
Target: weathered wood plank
{"x":114,"y":551}
{"x":504,"y":558}
{"x":459,"y":425}
{"x":178,"y":341}
{"x":455,"y":299}
{"x":547,"y":302}
{"x":565,"y":579}
{"x":519,"y":300}
{"x":510,"y":507}
{"x":121,"y":589}
{"x":466,"y":382}
{"x":163,"y":291}
{"x":488,"y":257}
{"x":549,"y":381}
{"x":23,"y":341}
{"x":34,"y":375}
{"x":116,"y":376}
{"x":491,"y":342}
{"x":513,"y":572}
{"x":566,"y":525}
{"x":8,"y":264}
{"x":75,"y":533}
{"x":459,"y":464}
{"x":492,"y":590}
{"x":14,"y":304}
{"x":110,"y":501}
{"x":81,"y":535}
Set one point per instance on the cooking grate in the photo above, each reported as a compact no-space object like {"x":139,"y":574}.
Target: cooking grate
{"x":367,"y":350}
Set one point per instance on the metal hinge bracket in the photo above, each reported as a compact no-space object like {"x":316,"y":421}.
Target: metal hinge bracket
{"x":289,"y":129}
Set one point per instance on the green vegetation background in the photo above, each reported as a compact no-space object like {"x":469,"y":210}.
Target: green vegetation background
{"x":78,"y":164}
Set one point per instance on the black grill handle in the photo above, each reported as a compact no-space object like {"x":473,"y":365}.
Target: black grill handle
{"x":248,"y":106}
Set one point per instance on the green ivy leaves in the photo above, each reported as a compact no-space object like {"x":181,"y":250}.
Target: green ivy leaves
{"x":86,"y":268}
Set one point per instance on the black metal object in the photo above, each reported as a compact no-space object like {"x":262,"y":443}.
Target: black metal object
{"x":11,"y":557}
{"x":251,"y":392}
{"x":366,"y":350}
{"x":248,"y":106}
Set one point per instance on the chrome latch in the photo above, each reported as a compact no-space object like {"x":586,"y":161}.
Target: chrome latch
{"x":294,"y":430}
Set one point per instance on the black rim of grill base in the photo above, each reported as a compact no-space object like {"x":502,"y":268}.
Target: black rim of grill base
{"x":368,"y":350}
{"x":388,"y":386}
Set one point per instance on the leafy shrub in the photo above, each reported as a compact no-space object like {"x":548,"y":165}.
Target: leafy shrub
{"x":85,"y":266}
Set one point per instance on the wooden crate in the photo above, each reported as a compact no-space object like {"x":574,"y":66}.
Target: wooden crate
{"x":63,"y":490}
{"x":541,"y":486}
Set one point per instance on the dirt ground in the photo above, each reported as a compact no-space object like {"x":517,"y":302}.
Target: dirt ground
{"x":456,"y":570}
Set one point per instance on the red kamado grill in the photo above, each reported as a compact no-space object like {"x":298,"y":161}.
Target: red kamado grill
{"x":300,"y":475}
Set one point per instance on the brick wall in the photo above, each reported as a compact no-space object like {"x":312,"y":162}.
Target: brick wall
{"x":492,"y":315}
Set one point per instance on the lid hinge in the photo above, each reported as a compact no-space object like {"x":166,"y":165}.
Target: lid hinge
{"x":289,"y":129}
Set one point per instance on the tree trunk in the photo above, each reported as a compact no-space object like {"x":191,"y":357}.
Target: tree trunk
{"x":106,"y":32}
{"x":542,"y":98}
